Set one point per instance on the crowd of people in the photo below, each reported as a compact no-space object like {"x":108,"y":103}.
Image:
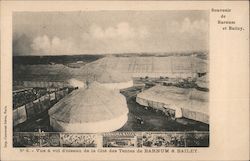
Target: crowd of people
{"x":175,"y":140}
{"x":22,"y":97}
{"x":43,"y":139}
{"x":77,"y":140}
{"x":163,"y":140}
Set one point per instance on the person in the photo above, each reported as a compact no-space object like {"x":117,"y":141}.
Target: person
{"x":139,"y":120}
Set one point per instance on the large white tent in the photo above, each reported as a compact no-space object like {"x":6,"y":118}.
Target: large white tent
{"x":110,"y":78}
{"x":113,"y":72}
{"x":43,"y":76}
{"x":91,"y":110}
{"x":153,"y":66}
{"x":188,"y":103}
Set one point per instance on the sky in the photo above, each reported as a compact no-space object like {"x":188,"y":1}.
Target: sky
{"x":103,"y":32}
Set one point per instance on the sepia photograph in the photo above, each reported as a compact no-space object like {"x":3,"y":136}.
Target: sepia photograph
{"x":124,"y":80}
{"x":105,"y":71}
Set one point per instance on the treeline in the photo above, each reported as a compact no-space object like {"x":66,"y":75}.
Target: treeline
{"x":202,"y":55}
{"x":61,"y":59}
{"x":67,"y":59}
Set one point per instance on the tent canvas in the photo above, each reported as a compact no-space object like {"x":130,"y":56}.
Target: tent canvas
{"x":180,"y":99}
{"x":91,"y":105}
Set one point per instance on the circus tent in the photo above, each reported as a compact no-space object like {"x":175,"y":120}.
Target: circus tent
{"x":91,"y":110}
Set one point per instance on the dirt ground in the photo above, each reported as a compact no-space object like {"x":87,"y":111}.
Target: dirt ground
{"x":139,"y":119}
{"x":142,"y":119}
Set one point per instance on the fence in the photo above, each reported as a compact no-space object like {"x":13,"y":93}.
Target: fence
{"x":34,"y":108}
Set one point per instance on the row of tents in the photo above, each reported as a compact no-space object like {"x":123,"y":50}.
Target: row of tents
{"x":38,"y":106}
{"x":111,"y":70}
{"x":187,"y":103}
